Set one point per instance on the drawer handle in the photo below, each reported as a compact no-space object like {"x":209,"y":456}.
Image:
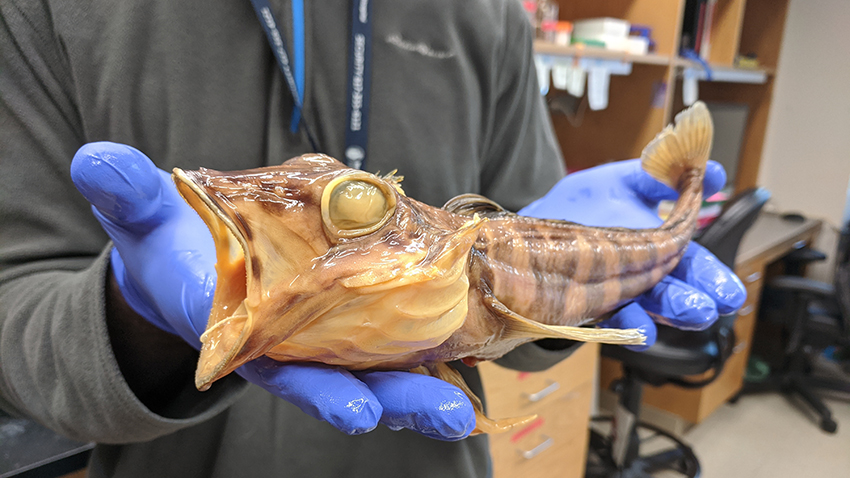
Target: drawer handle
{"x":529,"y":454}
{"x":747,"y":310}
{"x":753,"y":277}
{"x":550,"y":388}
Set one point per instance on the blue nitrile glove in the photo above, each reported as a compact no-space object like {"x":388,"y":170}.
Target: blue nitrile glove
{"x":163,"y":260}
{"x":622,"y":194}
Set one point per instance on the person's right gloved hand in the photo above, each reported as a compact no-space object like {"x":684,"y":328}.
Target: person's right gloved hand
{"x":622,"y":194}
{"x":164,"y":263}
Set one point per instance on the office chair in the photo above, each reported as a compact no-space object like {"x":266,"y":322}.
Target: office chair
{"x":675,"y":355}
{"x":815,"y":315}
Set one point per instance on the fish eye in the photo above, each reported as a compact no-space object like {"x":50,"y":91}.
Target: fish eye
{"x":356,"y":204}
{"x":354,"y":207}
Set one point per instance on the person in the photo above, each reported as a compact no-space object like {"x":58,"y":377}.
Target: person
{"x":107,"y":275}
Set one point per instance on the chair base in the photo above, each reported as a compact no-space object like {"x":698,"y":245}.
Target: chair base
{"x":804,"y":387}
{"x":679,"y":458}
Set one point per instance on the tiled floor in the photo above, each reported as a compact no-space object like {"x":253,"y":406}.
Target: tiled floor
{"x":767,"y":435}
{"x":763,"y":436}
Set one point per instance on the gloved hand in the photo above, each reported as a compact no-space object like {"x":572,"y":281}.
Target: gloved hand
{"x":163,"y":261}
{"x":622,"y":194}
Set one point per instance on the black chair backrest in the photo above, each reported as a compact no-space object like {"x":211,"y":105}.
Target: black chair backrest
{"x":723,"y":236}
{"x":842,"y":278}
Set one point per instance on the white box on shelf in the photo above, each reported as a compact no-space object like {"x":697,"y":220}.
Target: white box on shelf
{"x":592,"y":28}
{"x":638,"y":45}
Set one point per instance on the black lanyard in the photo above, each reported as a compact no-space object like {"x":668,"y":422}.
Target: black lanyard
{"x":359,"y":80}
{"x":359,"y":74}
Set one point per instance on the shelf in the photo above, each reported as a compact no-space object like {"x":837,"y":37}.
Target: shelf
{"x":551,"y":49}
{"x":574,"y":66}
{"x":722,"y":73}
{"x":693,"y":72}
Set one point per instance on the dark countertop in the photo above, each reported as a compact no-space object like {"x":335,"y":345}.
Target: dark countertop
{"x":29,"y":450}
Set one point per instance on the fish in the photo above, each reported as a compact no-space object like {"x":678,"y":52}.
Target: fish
{"x":318,"y":262}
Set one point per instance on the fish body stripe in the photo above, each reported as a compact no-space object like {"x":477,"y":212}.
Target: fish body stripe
{"x":576,"y":272}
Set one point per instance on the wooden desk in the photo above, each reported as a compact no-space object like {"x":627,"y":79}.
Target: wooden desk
{"x":555,"y":444}
{"x":770,"y":238}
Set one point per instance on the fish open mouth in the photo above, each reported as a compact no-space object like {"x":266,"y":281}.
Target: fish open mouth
{"x":229,"y":323}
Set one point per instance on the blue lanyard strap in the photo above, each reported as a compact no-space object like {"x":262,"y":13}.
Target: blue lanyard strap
{"x":359,"y":80}
{"x":359,"y":72}
{"x":299,"y":57}
{"x":278,"y":44}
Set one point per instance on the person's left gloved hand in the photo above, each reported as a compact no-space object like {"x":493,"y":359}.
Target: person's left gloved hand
{"x":621,"y":194}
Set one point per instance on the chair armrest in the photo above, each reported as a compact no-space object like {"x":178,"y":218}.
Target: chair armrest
{"x":804,"y":255}
{"x":796,"y":284}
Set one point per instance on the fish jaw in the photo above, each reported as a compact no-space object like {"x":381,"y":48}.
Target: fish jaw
{"x":248,"y":260}
{"x":229,"y":313}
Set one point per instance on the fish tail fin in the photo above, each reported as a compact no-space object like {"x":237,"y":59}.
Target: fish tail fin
{"x":680,"y":148}
{"x":483,"y":424}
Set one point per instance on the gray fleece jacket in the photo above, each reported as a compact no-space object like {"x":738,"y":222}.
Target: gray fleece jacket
{"x":454,"y":107}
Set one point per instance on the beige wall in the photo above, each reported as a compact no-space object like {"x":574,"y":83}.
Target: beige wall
{"x":806,"y":159}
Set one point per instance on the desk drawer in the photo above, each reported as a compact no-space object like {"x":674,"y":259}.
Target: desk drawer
{"x":512,"y":393}
{"x":555,"y":443}
{"x":753,"y":279}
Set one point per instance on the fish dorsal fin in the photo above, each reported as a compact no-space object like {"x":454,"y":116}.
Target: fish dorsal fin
{"x":519,"y":327}
{"x":471,"y":204}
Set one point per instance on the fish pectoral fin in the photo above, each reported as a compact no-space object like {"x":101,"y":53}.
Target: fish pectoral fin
{"x":483,"y":424}
{"x":517,"y":326}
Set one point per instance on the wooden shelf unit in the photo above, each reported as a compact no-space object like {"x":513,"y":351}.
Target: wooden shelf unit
{"x":642,"y":103}
{"x":580,"y":51}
